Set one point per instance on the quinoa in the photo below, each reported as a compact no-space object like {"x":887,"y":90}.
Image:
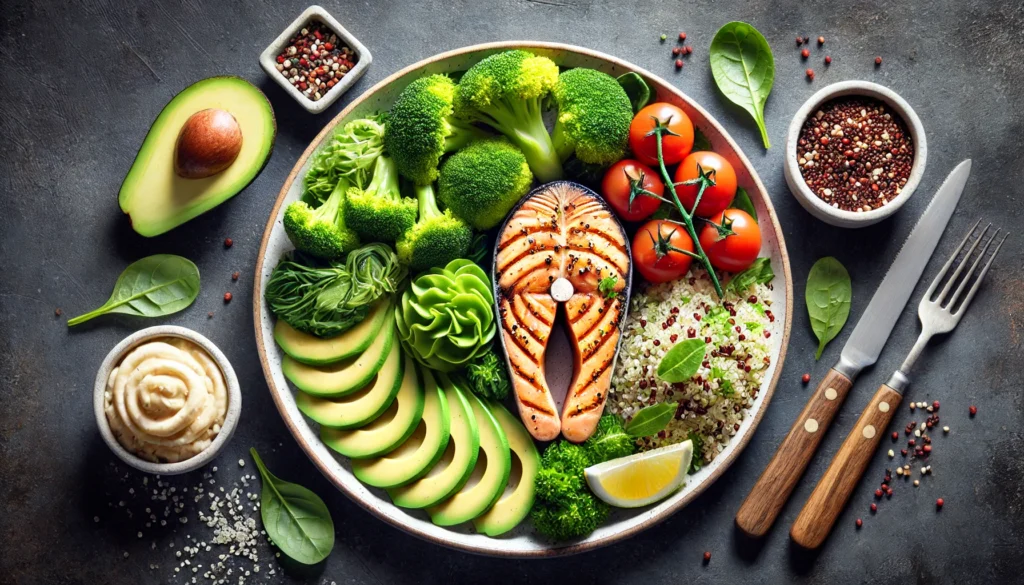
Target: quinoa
{"x":714,"y":402}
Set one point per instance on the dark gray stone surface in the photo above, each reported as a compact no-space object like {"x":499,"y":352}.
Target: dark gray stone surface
{"x":80,"y":84}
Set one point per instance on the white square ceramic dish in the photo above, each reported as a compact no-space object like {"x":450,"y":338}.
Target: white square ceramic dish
{"x":269,"y":56}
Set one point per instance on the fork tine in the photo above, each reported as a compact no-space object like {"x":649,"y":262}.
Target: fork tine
{"x":974,"y":265}
{"x":945,"y":267}
{"x":984,"y":270}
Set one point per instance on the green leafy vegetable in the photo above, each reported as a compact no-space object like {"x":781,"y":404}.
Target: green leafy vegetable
{"x":487,"y":376}
{"x":446,"y":317}
{"x":697,"y":462}
{"x":760,"y":272}
{"x":682,"y":361}
{"x":700,"y":141}
{"x":651,"y":419}
{"x":744,"y":69}
{"x":610,"y":440}
{"x":151,"y":287}
{"x":328,"y":300}
{"x":742,"y":202}
{"x":636,"y":88}
{"x":347,"y":159}
{"x":606,"y":287}
{"x":828,"y":299}
{"x":296,"y":519}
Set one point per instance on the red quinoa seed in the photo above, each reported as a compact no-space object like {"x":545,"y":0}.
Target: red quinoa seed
{"x":228,"y":242}
{"x":805,"y":378}
{"x":227,"y":297}
{"x":707,"y":557}
{"x":860,"y":523}
{"x":878,"y":61}
{"x":805,"y":53}
{"x":828,"y":60}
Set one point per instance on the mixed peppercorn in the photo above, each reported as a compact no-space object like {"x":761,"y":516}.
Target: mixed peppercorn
{"x":855,"y":153}
{"x":314,"y":61}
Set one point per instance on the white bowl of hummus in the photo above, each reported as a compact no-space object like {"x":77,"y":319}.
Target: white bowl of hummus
{"x":167,"y":400}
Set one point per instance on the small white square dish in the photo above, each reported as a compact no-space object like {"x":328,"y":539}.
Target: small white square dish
{"x":315,"y":59}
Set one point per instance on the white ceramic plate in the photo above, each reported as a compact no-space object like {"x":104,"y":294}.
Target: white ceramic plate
{"x":522,"y":542}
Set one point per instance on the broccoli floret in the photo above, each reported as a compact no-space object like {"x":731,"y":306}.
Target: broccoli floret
{"x":379,"y":213}
{"x":482,"y":182}
{"x":506,"y":91}
{"x":321,"y":232}
{"x":488,"y":376}
{"x":609,"y":440}
{"x":564,"y":508}
{"x":594,"y":113}
{"x":421,"y":128}
{"x":436,"y":239}
{"x":348,"y":158}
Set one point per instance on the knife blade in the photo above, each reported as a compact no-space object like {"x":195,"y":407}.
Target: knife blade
{"x":762,"y":506}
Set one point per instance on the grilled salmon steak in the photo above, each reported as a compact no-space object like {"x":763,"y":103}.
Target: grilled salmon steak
{"x":554,"y":250}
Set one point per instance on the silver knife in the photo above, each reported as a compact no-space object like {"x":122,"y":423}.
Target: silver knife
{"x":769,"y":494}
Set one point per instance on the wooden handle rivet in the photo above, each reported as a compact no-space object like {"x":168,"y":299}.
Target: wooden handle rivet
{"x":811,"y":425}
{"x":883,"y":406}
{"x":869,"y":431}
{"x":831,"y":393}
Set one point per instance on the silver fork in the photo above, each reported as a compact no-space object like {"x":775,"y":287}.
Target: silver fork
{"x":939,"y":313}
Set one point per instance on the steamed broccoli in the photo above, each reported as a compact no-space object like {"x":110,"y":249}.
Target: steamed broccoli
{"x":564,"y":507}
{"x":506,"y":91}
{"x":348,"y":158}
{"x":321,"y":232}
{"x":594,"y":113}
{"x":483,"y":181}
{"x":421,"y":128}
{"x":436,"y":239}
{"x":488,"y":376}
{"x":379,"y":213}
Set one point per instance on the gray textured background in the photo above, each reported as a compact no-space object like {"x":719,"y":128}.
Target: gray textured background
{"x":80,"y":84}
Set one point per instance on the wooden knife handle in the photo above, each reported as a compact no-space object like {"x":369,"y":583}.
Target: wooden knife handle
{"x":829,"y":497}
{"x":769,"y":494}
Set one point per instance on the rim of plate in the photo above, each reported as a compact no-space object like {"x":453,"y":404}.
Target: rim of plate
{"x":738,"y":443}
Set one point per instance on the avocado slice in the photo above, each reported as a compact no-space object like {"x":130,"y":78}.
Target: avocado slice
{"x":490,"y":474}
{"x":420,"y":452}
{"x":390,"y":429}
{"x":317,"y":351}
{"x":345,"y":377}
{"x":449,"y":474}
{"x":514,"y":504}
{"x":156,"y":196}
{"x":357,"y":409}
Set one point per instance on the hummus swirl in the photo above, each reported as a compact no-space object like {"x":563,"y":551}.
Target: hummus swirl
{"x":166,"y":400}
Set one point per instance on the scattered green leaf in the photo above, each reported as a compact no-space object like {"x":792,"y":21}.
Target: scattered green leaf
{"x":296,"y":519}
{"x":607,"y":287}
{"x":742,"y":202}
{"x":760,"y":272}
{"x":744,"y":69}
{"x":682,"y":361}
{"x":636,"y":88}
{"x":651,"y":420}
{"x":697,"y":461}
{"x":828,"y":299}
{"x":151,"y":287}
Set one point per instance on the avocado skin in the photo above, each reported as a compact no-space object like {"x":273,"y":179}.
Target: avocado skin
{"x":127,"y":197}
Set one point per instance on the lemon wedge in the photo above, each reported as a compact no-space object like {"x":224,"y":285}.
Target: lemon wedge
{"x":641,"y":479}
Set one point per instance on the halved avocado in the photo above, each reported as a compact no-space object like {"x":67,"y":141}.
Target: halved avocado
{"x":514,"y":504}
{"x":453,"y":470}
{"x":155,"y":194}
{"x":419,"y":453}
{"x":489,"y":476}
{"x":317,"y":351}
{"x":344,"y":377}
{"x":390,"y":429}
{"x":360,"y":408}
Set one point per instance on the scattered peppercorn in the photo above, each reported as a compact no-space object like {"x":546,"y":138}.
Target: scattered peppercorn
{"x":810,"y":76}
{"x":679,"y":63}
{"x":663,"y":37}
{"x":687,"y":50}
{"x":860,"y":523}
{"x":895,"y":436}
{"x":209,"y":315}
{"x":807,"y":40}
{"x":707,"y":556}
{"x":935,"y":405}
{"x":228,"y":242}
{"x":878,"y":60}
{"x":855,"y":153}
{"x":805,"y":378}
{"x":939,"y":503}
{"x":313,"y":62}
{"x":235,"y":275}
{"x":973,"y":410}
{"x":821,"y":40}
{"x":227,"y":297}
{"x":799,"y":41}
{"x":828,"y":60}
{"x":878,"y":493}
{"x":677,"y":50}
{"x":874,"y":507}
{"x":58,"y":312}
{"x":682,"y":36}
{"x":805,"y":53}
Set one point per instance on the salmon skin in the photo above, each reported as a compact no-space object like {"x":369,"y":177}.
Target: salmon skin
{"x":561,"y":230}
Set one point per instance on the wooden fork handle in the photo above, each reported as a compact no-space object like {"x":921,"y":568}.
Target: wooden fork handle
{"x":829,"y":497}
{"x":769,"y":494}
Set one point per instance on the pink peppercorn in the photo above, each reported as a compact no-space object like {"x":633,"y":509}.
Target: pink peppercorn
{"x":679,"y":63}
{"x":973,"y":410}
{"x":805,"y":53}
{"x":939,"y":503}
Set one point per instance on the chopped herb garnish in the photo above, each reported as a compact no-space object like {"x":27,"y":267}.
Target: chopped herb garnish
{"x":607,"y":287}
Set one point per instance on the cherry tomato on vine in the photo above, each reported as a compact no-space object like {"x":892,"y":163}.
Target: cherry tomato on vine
{"x":656,"y":251}
{"x":717,"y":197}
{"x":735,"y":252}
{"x":620,"y":181}
{"x":673,"y":148}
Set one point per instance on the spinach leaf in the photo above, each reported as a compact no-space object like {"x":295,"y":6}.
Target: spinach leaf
{"x":744,"y":69}
{"x":828,"y":299}
{"x":682,"y":361}
{"x":742,"y":202}
{"x":760,"y":272}
{"x":636,"y":88}
{"x":151,"y":287}
{"x":652,"y":419}
{"x":697,"y":461}
{"x":700,"y":141}
{"x":296,"y":519}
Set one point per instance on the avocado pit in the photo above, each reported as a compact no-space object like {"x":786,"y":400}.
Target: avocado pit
{"x":209,"y":142}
